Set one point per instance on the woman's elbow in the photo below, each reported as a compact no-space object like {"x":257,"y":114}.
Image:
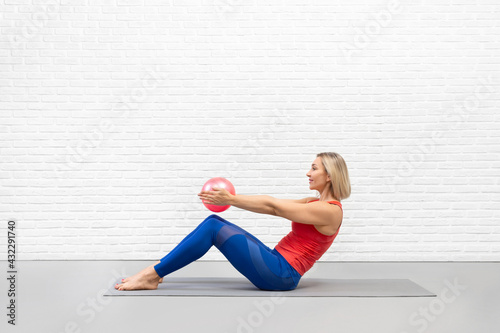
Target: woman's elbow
{"x":271,"y":205}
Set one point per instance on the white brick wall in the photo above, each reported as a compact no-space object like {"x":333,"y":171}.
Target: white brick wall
{"x":114,"y":113}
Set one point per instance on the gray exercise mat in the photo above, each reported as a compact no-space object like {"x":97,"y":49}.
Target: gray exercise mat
{"x":308,"y":287}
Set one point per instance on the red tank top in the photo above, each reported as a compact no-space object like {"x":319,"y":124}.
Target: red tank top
{"x":304,"y":245}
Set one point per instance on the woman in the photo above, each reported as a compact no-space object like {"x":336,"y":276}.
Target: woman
{"x":316,"y":225}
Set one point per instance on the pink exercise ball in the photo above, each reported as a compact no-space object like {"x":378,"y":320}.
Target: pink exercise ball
{"x":222,"y":183}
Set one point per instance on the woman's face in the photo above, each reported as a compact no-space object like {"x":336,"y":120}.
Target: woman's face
{"x":318,"y":178}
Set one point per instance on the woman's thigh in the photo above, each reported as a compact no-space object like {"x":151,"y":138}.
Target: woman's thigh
{"x":264,"y":267}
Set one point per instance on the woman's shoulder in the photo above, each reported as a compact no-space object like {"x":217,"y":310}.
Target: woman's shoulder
{"x":302,"y":201}
{"x":310,"y":199}
{"x":332,"y":202}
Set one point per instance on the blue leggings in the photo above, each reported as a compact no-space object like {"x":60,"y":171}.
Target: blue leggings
{"x":265,"y":268}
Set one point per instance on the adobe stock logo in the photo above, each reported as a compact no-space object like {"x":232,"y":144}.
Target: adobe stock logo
{"x":43,"y":13}
{"x":421,"y":318}
{"x":372,"y":28}
{"x":255,"y":319}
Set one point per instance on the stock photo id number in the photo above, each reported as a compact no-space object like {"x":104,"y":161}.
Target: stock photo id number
{"x":11,"y":272}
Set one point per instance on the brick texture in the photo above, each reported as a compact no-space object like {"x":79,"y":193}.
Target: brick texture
{"x":113,"y":114}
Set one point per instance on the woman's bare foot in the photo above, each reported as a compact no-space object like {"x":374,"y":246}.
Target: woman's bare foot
{"x":147,"y":279}
{"x":140,"y":273}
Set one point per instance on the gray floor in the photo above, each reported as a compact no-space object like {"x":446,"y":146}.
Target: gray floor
{"x":66,"y":296}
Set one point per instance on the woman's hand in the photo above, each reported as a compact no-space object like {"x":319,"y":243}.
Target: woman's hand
{"x":218,"y":196}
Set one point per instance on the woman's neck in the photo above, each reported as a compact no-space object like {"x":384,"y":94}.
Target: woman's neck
{"x":327,"y":196}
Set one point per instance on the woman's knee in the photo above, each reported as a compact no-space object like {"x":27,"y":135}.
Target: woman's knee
{"x":213,"y":221}
{"x":214,"y":216}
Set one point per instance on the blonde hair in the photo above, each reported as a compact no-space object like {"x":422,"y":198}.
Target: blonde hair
{"x":336,"y":168}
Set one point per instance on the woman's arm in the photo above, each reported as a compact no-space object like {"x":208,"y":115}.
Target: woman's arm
{"x":262,"y":204}
{"x":256,"y":203}
{"x":318,"y":212}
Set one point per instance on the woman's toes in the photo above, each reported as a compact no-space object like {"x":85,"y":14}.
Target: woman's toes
{"x":123,"y":286}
